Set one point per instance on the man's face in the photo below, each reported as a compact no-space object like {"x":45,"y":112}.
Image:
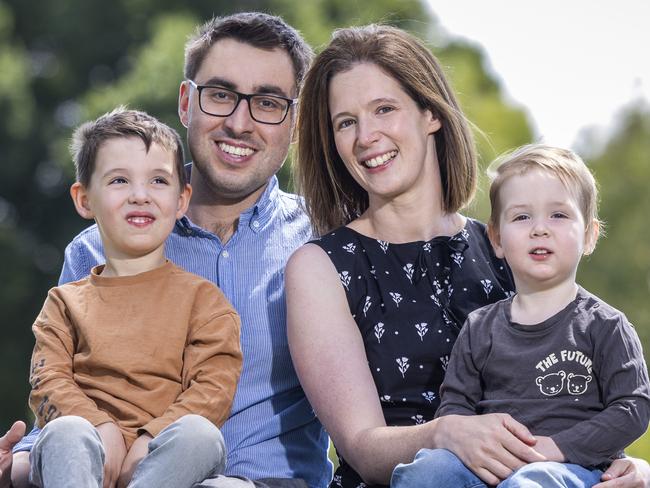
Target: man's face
{"x":235,"y":156}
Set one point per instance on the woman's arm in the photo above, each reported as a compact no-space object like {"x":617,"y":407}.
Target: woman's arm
{"x":329,"y":356}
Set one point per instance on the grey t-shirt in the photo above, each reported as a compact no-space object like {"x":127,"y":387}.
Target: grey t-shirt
{"x":578,"y":377}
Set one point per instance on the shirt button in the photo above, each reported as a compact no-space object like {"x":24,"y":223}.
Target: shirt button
{"x":225,"y":254}
{"x":256,"y":224}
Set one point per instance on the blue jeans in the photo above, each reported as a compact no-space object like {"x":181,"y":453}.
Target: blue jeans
{"x":69,"y":453}
{"x":441,"y":468}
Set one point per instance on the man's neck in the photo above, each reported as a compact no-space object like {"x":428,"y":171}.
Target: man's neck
{"x":218,"y":214}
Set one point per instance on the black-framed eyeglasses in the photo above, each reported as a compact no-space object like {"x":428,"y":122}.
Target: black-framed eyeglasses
{"x":222,"y":102}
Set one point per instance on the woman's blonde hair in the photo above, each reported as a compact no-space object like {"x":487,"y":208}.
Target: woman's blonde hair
{"x":332,"y":197}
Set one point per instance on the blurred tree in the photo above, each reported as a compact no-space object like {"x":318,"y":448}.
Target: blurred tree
{"x":619,"y":269}
{"x":64,"y":62}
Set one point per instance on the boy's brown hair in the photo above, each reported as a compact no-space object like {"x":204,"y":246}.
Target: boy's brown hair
{"x":122,"y":122}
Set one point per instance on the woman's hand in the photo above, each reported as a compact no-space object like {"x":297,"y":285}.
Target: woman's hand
{"x":626,"y":473}
{"x":491,"y":445}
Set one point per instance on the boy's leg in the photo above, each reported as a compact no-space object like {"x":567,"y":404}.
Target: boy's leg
{"x":68,"y":453}
{"x":552,"y":475}
{"x":434,"y":468}
{"x":182,"y":454}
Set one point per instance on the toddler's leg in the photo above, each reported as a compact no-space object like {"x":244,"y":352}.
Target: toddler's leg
{"x":184,"y":453}
{"x":552,"y":475}
{"x":434,"y":468}
{"x":68,"y":453}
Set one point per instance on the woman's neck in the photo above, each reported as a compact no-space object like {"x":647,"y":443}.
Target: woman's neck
{"x":399,"y":221}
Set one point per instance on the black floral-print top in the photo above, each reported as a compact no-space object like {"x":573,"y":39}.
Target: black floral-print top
{"x":409,"y":301}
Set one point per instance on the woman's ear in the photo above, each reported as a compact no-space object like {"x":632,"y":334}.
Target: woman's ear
{"x":434,"y":122}
{"x":79,"y":196}
{"x":591,"y":236}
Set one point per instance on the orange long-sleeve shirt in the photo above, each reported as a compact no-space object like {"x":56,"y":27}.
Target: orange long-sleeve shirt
{"x":140,"y":351}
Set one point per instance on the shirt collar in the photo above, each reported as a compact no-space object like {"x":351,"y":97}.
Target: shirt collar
{"x":256,"y":217}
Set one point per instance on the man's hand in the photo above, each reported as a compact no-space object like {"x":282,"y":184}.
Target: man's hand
{"x":138,"y":451}
{"x":115,"y":451}
{"x":7,"y":442}
{"x":491,"y":445}
{"x":626,"y":473}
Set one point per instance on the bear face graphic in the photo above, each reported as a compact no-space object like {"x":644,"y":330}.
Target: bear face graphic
{"x":551,"y":384}
{"x":577,"y":383}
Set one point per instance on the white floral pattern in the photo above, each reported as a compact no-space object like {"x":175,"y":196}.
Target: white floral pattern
{"x":405,"y":299}
{"x":345,"y":279}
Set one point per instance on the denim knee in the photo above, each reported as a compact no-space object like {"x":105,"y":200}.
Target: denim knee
{"x":68,"y":428}
{"x":67,"y":452}
{"x":435,"y":468}
{"x":551,"y":474}
{"x":196,"y":434}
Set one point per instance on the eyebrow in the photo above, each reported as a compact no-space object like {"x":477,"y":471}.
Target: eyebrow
{"x":524,"y":206}
{"x":259,"y":89}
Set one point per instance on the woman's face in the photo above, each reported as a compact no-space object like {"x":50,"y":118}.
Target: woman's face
{"x":383,"y":137}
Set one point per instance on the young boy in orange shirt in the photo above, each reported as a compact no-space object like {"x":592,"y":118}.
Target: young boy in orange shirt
{"x":135,"y":366}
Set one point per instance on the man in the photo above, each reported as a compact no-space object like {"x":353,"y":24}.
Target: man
{"x":242,"y":76}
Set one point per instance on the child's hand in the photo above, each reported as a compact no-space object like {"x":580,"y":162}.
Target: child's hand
{"x":548,"y":448}
{"x":115,"y":451}
{"x":7,"y":442}
{"x":138,"y":451}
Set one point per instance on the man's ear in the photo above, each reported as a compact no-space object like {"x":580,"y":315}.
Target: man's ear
{"x":79,"y":196}
{"x":184,"y":103}
{"x":183,"y":201}
{"x":495,"y":240}
{"x":591,"y":236}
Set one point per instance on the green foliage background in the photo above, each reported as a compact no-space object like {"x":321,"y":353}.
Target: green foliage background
{"x":66,"y":61}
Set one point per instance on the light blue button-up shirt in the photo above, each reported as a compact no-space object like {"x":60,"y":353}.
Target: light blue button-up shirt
{"x":272,"y":431}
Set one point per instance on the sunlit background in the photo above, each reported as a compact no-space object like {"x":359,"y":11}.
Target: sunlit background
{"x":572,"y":73}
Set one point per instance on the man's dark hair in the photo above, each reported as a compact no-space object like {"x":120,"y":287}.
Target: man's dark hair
{"x":260,"y":30}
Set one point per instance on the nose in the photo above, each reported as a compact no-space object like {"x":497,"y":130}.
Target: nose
{"x":367,"y":133}
{"x":539,"y":228}
{"x":139,"y":194}
{"x":240,"y":121}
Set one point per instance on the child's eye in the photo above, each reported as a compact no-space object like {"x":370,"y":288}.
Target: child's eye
{"x":559,"y":215}
{"x":118,"y":180}
{"x":159,"y":180}
{"x":520,"y":217}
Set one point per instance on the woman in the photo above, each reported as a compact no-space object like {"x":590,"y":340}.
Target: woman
{"x":386,"y":160}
